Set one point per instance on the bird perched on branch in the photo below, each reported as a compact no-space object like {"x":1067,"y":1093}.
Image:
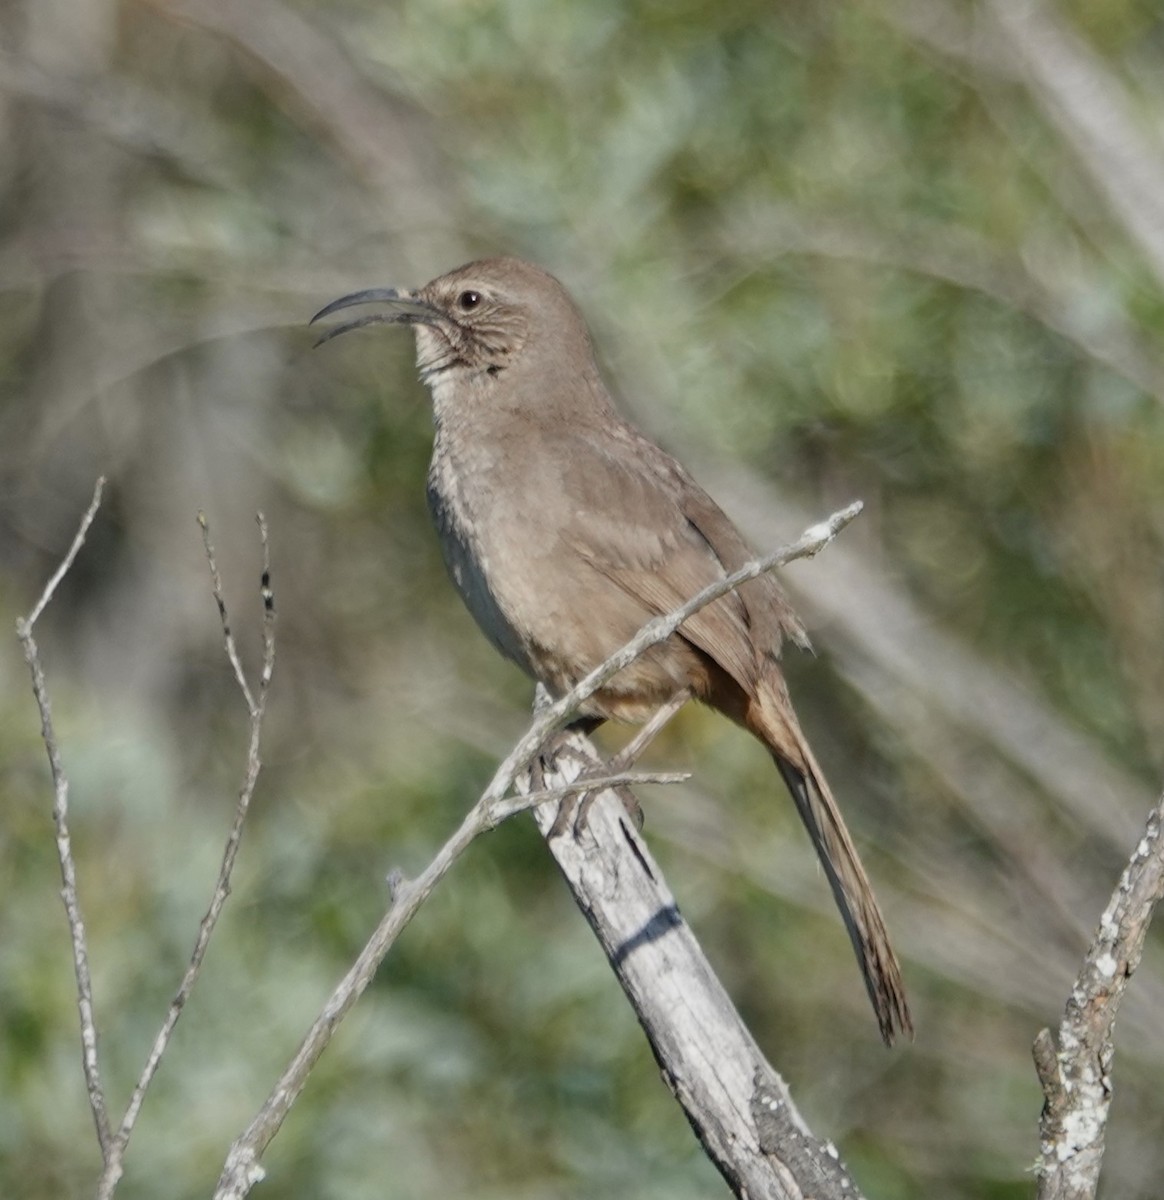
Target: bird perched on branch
{"x":565,"y":530}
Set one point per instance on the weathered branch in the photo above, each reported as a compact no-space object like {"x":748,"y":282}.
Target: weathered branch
{"x":242,"y":1168}
{"x":1075,"y":1068}
{"x":737,"y":1104}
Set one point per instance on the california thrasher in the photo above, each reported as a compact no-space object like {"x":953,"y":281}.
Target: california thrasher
{"x":565,"y":530}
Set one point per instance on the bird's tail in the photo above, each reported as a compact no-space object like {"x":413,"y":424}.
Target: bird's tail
{"x":770,"y":718}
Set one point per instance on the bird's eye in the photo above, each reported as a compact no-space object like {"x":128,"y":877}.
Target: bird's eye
{"x":468,"y":300}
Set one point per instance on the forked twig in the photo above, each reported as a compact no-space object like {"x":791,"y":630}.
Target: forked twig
{"x":112,"y":1144}
{"x":256,"y":707}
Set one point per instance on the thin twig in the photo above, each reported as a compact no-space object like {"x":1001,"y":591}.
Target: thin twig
{"x":257,"y":709}
{"x":502,"y":810}
{"x":64,"y":844}
{"x":78,"y":541}
{"x":242,"y":1168}
{"x":219,"y":599}
{"x":1075,"y":1070}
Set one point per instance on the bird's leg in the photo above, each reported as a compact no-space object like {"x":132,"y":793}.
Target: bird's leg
{"x":549,"y":749}
{"x":543,"y":761}
{"x":629,"y":755}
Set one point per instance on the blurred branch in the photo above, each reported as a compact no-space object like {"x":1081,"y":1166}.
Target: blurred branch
{"x":955,"y":34}
{"x":139,"y":119}
{"x":242,"y":1169}
{"x":1075,"y":1069}
{"x":1094,"y":113}
{"x":1026,"y":41}
{"x":372,"y":132}
{"x":958,"y":257}
{"x":24,"y":628}
{"x":894,"y":636}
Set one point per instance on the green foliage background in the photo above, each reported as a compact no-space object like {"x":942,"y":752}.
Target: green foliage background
{"x":832,"y":249}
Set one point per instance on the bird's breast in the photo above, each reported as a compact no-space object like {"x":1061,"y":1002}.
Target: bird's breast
{"x":462,"y":496}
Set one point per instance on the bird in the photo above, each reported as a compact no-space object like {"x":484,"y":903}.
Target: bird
{"x":565,"y":529}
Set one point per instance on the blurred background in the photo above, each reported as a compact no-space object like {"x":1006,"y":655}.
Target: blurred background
{"x":908,"y":251}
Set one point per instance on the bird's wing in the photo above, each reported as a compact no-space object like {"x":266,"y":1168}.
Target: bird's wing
{"x":770,"y":615}
{"x":638,"y":519}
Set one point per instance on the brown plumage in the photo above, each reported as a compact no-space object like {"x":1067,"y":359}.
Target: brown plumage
{"x":565,"y":530}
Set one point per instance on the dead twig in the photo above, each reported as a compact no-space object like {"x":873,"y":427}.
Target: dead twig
{"x":502,"y":810}
{"x":24,"y":627}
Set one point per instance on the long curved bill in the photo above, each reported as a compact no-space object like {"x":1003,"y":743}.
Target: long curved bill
{"x":402,"y":308}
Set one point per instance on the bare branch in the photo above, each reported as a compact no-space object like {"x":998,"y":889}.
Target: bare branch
{"x":220,"y":600}
{"x":25,"y":624}
{"x":257,"y":709}
{"x":24,"y":628}
{"x":113,"y":1145}
{"x":1075,"y":1068}
{"x":242,"y":1168}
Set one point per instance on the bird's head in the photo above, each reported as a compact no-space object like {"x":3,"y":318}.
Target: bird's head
{"x":487,"y":318}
